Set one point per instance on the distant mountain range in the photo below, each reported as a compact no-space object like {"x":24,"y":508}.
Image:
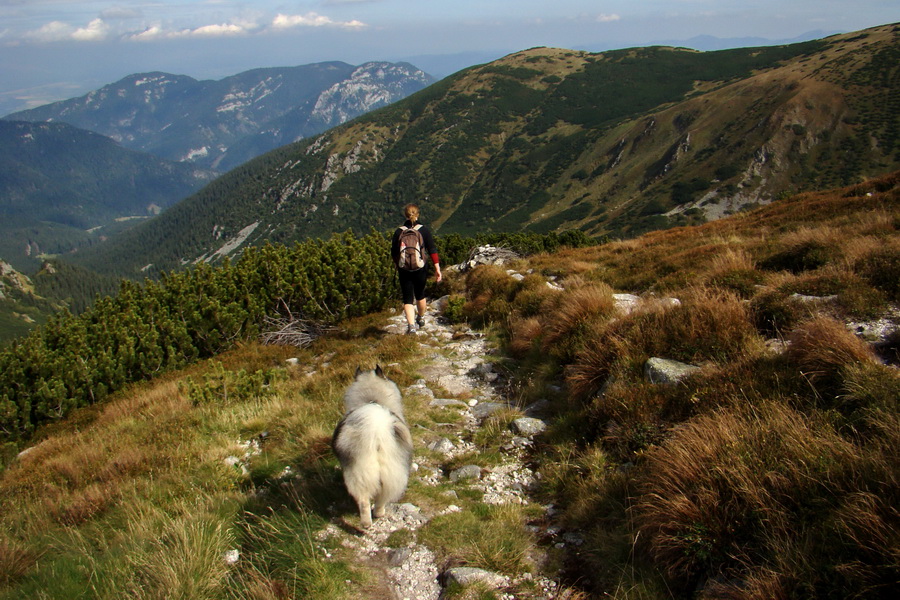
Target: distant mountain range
{"x":614,"y":143}
{"x":221,"y":124}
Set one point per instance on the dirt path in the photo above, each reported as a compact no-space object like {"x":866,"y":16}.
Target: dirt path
{"x":458,"y":363}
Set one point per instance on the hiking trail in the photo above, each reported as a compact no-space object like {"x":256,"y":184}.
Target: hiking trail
{"x":457,"y":362}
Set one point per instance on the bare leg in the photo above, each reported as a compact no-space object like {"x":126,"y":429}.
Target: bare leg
{"x":410,"y":311}
{"x":420,"y":307}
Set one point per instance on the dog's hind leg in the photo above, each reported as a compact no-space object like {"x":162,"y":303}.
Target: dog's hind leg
{"x":379,"y":507}
{"x":365,"y":512}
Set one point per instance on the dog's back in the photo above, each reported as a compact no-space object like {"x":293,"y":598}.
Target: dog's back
{"x":373,"y":444}
{"x":373,"y":387}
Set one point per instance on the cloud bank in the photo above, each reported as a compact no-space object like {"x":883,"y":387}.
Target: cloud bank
{"x":99,"y":29}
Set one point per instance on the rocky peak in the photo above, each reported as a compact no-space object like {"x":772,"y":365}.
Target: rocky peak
{"x":11,"y":279}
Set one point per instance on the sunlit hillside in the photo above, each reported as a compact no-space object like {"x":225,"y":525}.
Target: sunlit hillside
{"x":615,"y":143}
{"x":769,"y":471}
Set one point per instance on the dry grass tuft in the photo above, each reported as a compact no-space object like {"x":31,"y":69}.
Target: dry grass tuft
{"x":523,"y":335}
{"x":489,"y":290}
{"x":80,"y":506}
{"x":880,"y":267}
{"x":577,"y":314}
{"x":806,"y":249}
{"x":741,"y":490}
{"x":822,"y":349}
{"x":15,"y":561}
{"x":594,"y":364}
{"x":710,"y":324}
{"x":735,"y":270}
{"x":730,"y":260}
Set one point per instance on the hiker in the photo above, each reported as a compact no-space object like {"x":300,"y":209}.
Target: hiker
{"x":411,"y":242}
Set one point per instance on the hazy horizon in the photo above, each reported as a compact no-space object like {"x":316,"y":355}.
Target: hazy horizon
{"x":56,"y":49}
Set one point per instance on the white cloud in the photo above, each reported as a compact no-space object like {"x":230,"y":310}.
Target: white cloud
{"x":217,"y":30}
{"x":151,"y":33}
{"x":95,"y":31}
{"x":313,"y":20}
{"x":54,"y":31}
{"x":57,"y":31}
{"x":601,"y":18}
{"x":156,"y":32}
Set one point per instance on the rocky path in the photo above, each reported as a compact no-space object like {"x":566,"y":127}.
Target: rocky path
{"x":457,"y":362}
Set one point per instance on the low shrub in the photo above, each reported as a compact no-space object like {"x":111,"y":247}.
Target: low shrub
{"x":454,"y":312}
{"x":489,"y":290}
{"x":221,"y":386}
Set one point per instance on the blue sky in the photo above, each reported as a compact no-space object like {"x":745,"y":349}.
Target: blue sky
{"x":54,"y":49}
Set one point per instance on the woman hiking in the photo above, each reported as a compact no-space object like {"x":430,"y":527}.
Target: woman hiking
{"x":411,"y":242}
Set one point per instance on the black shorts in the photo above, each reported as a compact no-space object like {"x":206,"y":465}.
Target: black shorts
{"x":412,"y":284}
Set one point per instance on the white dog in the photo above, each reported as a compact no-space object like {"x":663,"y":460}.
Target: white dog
{"x":373,"y":443}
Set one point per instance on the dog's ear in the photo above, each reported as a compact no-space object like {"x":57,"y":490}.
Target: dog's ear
{"x":380,"y":372}
{"x":358,"y":371}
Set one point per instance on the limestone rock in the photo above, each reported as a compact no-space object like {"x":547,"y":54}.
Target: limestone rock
{"x":466,"y":472}
{"x":443,"y":445}
{"x":483,"y":410}
{"x":468,"y":575}
{"x":488,"y":255}
{"x":663,"y":370}
{"x":528,"y":426}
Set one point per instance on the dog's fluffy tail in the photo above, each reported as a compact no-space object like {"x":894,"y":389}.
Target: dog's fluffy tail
{"x":375,"y":450}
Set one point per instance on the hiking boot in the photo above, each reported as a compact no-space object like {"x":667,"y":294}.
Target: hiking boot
{"x":411,"y":329}
{"x":420,"y":322}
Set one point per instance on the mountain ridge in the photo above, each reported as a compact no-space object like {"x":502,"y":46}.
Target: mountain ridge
{"x":219,"y":124}
{"x":613,"y":143}
{"x":63,"y":187}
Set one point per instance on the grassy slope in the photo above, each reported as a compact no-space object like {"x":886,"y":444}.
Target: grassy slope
{"x":545,"y":138}
{"x":134,"y":496}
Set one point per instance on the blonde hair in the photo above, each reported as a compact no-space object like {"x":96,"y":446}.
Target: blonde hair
{"x":411,"y":212}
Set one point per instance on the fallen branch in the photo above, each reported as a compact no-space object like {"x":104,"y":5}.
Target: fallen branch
{"x":287,"y":331}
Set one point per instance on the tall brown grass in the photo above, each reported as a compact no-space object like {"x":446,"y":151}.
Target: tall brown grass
{"x":523,"y":335}
{"x":822,"y":348}
{"x":764,"y":498}
{"x":709,"y":325}
{"x":489,"y":292}
{"x":578,"y":313}
{"x":15,"y":561}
